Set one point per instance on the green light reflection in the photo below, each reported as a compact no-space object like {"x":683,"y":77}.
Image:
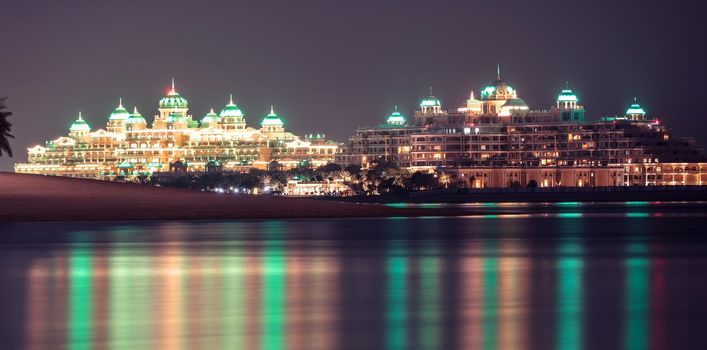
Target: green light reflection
{"x":233,"y":307}
{"x":273,"y":278}
{"x":569,"y":295}
{"x":129,"y":295}
{"x":141,"y":294}
{"x":80,"y":296}
{"x":119,"y":299}
{"x":396,"y":317}
{"x":489,"y":317}
{"x":396,"y":205}
{"x":636,"y":297}
{"x":429,"y":337}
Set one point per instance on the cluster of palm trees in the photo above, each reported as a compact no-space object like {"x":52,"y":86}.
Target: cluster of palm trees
{"x":387,"y":178}
{"x":5,"y":128}
{"x":380,"y":178}
{"x":255,"y":180}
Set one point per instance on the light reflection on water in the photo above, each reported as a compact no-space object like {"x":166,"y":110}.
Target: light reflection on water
{"x":565,"y":282}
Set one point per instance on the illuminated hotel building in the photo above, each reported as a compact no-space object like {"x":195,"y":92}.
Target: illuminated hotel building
{"x":128,"y":147}
{"x":498,"y":141}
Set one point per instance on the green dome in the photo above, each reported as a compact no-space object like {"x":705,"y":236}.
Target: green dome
{"x":396,"y":117}
{"x":231,"y":110}
{"x":430,"y":101}
{"x":635,"y":109}
{"x":492,"y":92}
{"x":210,"y":118}
{"x":173,"y":100}
{"x":498,"y":90}
{"x":567,"y":96}
{"x":136,"y":118}
{"x":175,"y":117}
{"x":80,"y":125}
{"x":516,"y":103}
{"x":272,"y":119}
{"x":120,"y":113}
{"x":488,"y":91}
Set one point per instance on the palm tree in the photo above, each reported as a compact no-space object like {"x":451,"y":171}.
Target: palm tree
{"x":266,"y":180}
{"x":445,"y":179}
{"x":5,"y":128}
{"x":342,"y":175}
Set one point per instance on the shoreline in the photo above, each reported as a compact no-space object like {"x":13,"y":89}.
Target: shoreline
{"x":693,"y":194}
{"x":34,"y":198}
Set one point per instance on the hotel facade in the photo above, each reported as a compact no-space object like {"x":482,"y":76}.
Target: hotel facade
{"x":498,"y":141}
{"x":127,"y":147}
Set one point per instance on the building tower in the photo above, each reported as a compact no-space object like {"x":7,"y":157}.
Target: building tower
{"x":568,"y":105}
{"x":210,"y":120}
{"x":472,"y":107}
{"x":396,"y":118}
{"x":272,"y":123}
{"x":495,"y":95}
{"x":117,"y":119}
{"x":136,"y":121}
{"x":172,"y":107}
{"x":635,"y":111}
{"x":79,"y":129}
{"x":430,"y":104}
{"x":430,"y":111}
{"x":232,"y":118}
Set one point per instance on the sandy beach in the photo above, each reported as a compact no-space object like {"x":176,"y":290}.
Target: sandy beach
{"x":45,"y":198}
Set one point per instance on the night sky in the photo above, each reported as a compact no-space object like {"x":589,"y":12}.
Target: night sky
{"x":330,"y":66}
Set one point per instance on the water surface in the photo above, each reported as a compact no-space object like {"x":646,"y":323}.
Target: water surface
{"x":525,"y":276}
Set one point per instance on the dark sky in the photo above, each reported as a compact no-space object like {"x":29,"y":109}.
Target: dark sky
{"x":330,"y":66}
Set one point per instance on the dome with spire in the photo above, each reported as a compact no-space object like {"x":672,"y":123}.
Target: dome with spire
{"x":231,"y":110}
{"x":635,"y":109}
{"x":567,"y":95}
{"x":210,"y":119}
{"x":120,"y":113}
{"x":430,"y":101}
{"x":80,"y":125}
{"x":430,"y":104}
{"x":173,"y":99}
{"x":396,"y":118}
{"x":136,"y":118}
{"x":498,"y":90}
{"x":272,"y":119}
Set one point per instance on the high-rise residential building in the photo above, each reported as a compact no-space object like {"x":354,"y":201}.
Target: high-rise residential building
{"x":498,"y":141}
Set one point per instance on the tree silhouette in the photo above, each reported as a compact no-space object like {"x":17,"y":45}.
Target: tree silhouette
{"x":5,"y":128}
